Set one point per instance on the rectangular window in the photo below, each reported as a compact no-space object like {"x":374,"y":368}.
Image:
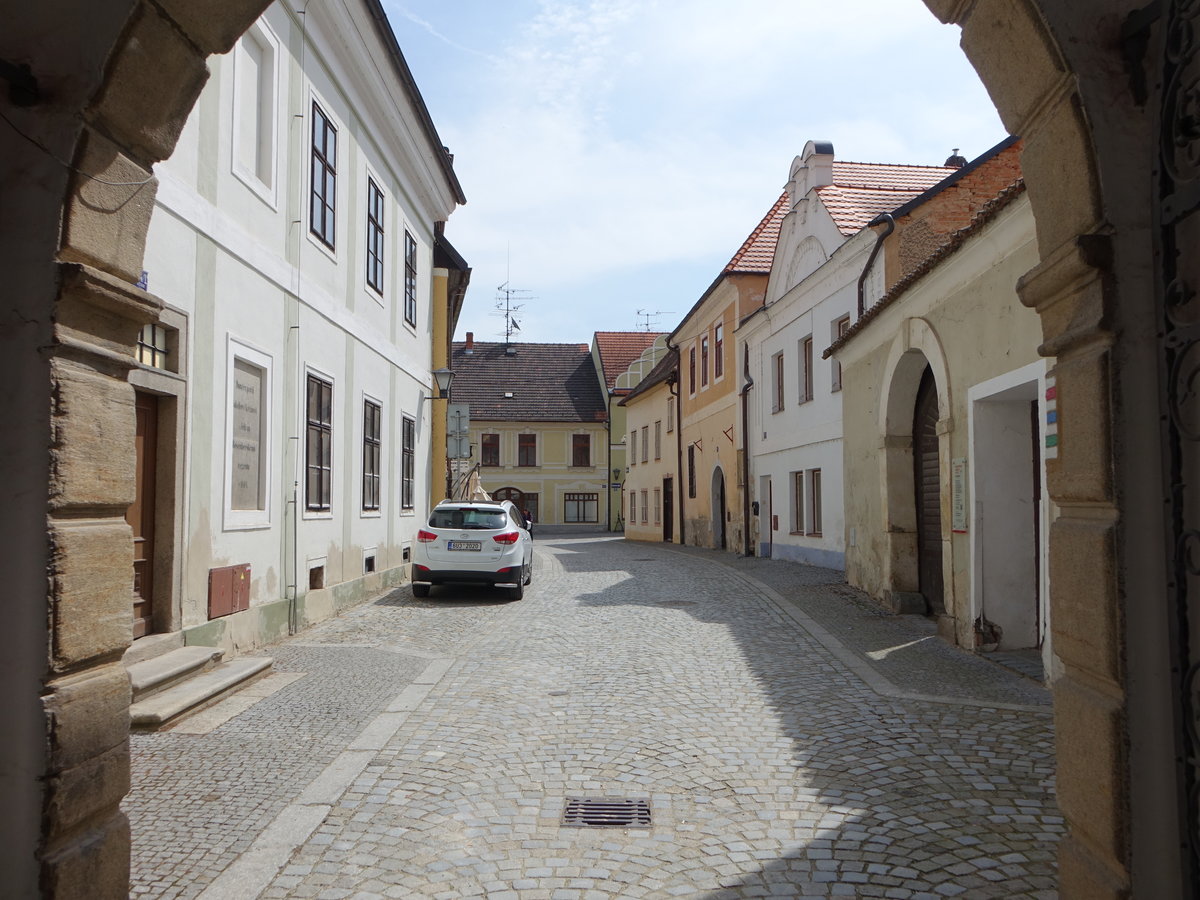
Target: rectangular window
{"x":318,"y":456}
{"x":692,"y":370}
{"x":658,"y":440}
{"x":322,"y":215}
{"x":153,"y":348}
{"x":489,"y":450}
{"x":777,"y":383}
{"x":631,"y":515}
{"x":806,"y":369}
{"x":670,"y":414}
{"x":408,"y":458}
{"x":704,"y":359}
{"x":375,"y":242}
{"x":719,"y":350}
{"x":248,"y":461}
{"x":410,"y":279}
{"x":371,"y":455}
{"x":797,"y":503}
{"x":645,"y":443}
{"x":581,"y":507}
{"x":254,"y":109}
{"x":657,"y":506}
{"x":840,"y":327}
{"x":527,"y":450}
{"x":692,"y":470}
{"x":814,"y":502}
{"x":581,"y":450}
{"x":633,"y":447}
{"x":645,"y":508}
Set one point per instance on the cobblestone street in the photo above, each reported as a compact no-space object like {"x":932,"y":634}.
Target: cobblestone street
{"x":790,"y":741}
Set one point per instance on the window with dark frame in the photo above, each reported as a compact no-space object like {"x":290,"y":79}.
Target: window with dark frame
{"x":152,"y":347}
{"x":692,"y":370}
{"x":489,"y":450}
{"x":410,"y":279}
{"x":375,"y":242}
{"x":408,"y":459}
{"x":814,"y":502}
{"x":806,"y":369}
{"x":840,"y":327}
{"x":633,"y":447}
{"x":645,"y":506}
{"x":527,"y":450}
{"x":322,"y":218}
{"x":371,"y":455}
{"x":581,"y":507}
{"x":777,"y":382}
{"x":318,"y":456}
{"x":719,"y":350}
{"x":645,"y":443}
{"x":658,"y":440}
{"x":704,"y":360}
{"x":581,"y":450}
{"x":798,"y":502}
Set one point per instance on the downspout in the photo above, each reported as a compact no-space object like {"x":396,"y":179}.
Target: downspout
{"x":745,"y":395}
{"x":881,"y":219}
{"x":608,"y":469}
{"x":673,"y":387}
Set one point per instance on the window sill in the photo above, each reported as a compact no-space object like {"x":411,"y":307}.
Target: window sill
{"x":814,"y":534}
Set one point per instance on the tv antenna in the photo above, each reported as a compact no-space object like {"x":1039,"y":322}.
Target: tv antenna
{"x":509,"y":302}
{"x":648,"y":321}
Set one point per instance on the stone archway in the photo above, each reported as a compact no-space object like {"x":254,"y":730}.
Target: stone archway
{"x":717,"y":496}
{"x":114,"y":84}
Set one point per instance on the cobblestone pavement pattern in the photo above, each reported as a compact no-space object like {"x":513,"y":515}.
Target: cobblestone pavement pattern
{"x":785,"y":745}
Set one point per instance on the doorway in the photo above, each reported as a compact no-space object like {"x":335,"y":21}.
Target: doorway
{"x":668,"y":510}
{"x":927,"y":483}
{"x":140,"y":514}
{"x":718,"y":509}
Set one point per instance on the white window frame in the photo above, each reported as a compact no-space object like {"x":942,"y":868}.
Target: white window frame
{"x":799,"y":492}
{"x":267,"y":191}
{"x":248,"y":519}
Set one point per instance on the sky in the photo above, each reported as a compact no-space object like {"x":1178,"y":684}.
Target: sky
{"x":616,"y":153}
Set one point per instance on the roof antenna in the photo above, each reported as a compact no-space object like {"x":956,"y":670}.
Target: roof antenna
{"x":507,"y":307}
{"x":647,"y":320}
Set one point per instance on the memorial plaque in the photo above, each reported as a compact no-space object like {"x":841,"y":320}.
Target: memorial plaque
{"x":247,"y":489}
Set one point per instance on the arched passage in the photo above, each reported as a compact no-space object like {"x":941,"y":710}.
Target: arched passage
{"x":1079,"y":82}
{"x":718,"y":508}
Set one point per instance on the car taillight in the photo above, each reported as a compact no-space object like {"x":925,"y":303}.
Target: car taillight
{"x":426,"y":536}
{"x":509,"y":537}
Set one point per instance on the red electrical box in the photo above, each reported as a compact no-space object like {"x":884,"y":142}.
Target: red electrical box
{"x":228,"y":590}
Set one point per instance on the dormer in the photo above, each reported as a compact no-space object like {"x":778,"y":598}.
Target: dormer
{"x":810,"y":170}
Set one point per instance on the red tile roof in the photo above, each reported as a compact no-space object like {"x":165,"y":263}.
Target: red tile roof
{"x":620,"y":349}
{"x":548,"y":382}
{"x":758,"y":251}
{"x":861,"y":191}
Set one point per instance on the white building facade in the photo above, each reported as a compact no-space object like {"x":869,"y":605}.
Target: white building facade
{"x":794,"y":419}
{"x":284,"y":403}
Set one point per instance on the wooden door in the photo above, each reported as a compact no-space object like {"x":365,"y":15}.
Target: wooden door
{"x":668,"y":510}
{"x":140,"y":515}
{"x":928,"y":484}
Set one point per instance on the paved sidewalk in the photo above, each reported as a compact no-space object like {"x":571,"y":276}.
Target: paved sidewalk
{"x":788,"y":739}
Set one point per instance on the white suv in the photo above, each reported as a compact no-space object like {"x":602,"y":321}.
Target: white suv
{"x":473,"y":542}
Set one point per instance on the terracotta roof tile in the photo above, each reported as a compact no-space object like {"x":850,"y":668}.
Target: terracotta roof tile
{"x":758,"y":251}
{"x":861,"y":191}
{"x":548,"y":382}
{"x":986,"y":214}
{"x":620,"y":349}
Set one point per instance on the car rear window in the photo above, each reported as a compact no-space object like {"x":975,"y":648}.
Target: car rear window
{"x":468,"y":518}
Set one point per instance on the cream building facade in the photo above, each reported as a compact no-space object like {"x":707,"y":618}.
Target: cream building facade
{"x":652,"y":506}
{"x":949,"y":423}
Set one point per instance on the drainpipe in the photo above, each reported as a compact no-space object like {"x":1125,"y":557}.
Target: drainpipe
{"x":745,"y":395}
{"x":673,"y":387}
{"x":881,"y":219}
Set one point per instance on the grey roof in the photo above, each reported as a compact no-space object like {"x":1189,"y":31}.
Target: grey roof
{"x":548,"y":382}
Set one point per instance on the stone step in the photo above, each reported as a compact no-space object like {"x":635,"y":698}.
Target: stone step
{"x":152,"y":645}
{"x":197,"y":692}
{"x":161,"y":672}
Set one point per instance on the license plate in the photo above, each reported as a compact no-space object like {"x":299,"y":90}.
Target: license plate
{"x":464,"y":545}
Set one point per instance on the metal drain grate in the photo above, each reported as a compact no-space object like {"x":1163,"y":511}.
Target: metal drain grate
{"x":607,"y":812}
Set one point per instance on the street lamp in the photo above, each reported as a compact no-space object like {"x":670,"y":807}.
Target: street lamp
{"x":442,"y":378}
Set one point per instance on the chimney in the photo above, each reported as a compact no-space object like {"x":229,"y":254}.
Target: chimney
{"x":955,"y":160}
{"x":470,"y":342}
{"x":810,"y":170}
